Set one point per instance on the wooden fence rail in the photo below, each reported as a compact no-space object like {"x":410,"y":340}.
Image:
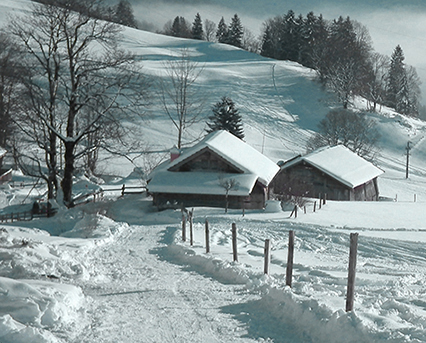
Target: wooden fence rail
{"x":289,"y":269}
{"x":19,"y":216}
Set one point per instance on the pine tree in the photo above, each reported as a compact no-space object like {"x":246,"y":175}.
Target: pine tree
{"x":222,"y":32}
{"x":226,"y":117}
{"x":267,"y":48}
{"x":197,"y":28}
{"x":235,"y":32}
{"x":180,"y":28}
{"x":124,"y":14}
{"x":396,"y":79}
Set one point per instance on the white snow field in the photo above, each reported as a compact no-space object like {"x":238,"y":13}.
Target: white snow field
{"x":118,"y":271}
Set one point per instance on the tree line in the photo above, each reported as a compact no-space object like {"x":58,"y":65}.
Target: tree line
{"x":341,"y":52}
{"x":122,"y":13}
{"x":233,"y":33}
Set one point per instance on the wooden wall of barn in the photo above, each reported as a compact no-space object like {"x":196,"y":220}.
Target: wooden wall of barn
{"x":256,"y":200}
{"x":307,"y":181}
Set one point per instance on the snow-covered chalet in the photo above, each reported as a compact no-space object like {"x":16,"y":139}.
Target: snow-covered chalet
{"x":198,"y":175}
{"x":336,"y":172}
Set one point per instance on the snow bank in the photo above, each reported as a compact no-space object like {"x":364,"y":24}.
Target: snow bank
{"x":30,"y":309}
{"x":36,"y":270}
{"x":310,"y":320}
{"x":387,"y":306}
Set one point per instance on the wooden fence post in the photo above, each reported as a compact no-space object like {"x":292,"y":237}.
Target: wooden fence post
{"x":325,"y":199}
{"x":267,"y":255}
{"x":191,"y":234}
{"x":123,"y":189}
{"x":320,"y":195}
{"x":183,"y":227}
{"x":315,"y":205}
{"x":207,"y":237}
{"x":234,"y":242}
{"x":351,"y":273}
{"x":294,"y":211}
{"x":289,"y":274}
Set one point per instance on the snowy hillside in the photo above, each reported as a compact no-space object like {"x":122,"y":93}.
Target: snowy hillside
{"x":281,"y":103}
{"x":117,"y":270}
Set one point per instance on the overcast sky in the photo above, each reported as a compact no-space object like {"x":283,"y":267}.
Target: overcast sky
{"x":389,"y":22}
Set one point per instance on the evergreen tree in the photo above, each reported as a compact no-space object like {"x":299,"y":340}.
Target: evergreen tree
{"x":226,"y":117}
{"x":180,"y":28}
{"x":124,"y":14}
{"x":289,"y":38}
{"x":396,"y":89}
{"x":235,"y":32}
{"x":314,"y":35}
{"x":197,"y":28}
{"x":267,"y":48}
{"x":222,"y":32}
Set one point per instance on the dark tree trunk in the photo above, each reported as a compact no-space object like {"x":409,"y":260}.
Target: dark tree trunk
{"x":52,"y":182}
{"x":68,"y":173}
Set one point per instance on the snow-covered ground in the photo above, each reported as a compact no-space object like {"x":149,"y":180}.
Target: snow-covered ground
{"x":118,"y":271}
{"x":128,"y":277}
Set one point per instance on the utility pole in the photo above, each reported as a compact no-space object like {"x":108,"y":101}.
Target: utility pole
{"x":408,"y":148}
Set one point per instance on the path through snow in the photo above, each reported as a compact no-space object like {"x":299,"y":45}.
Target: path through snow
{"x":141,"y":296}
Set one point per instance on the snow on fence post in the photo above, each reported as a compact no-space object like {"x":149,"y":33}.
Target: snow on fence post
{"x":289,"y":273}
{"x":207,"y":237}
{"x":234,"y":242}
{"x":351,"y":272}
{"x":191,"y":234}
{"x":267,"y":255}
{"x":183,"y":227}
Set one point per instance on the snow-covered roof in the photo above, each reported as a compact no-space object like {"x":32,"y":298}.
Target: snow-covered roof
{"x":340,"y":163}
{"x":254,"y":166}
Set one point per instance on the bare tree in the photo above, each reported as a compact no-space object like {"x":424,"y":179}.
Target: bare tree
{"x":181,"y":98}
{"x":210,"y":30}
{"x":351,"y":129}
{"x":82,"y":81}
{"x":228,"y":185}
{"x":10,"y":69}
{"x":250,"y":42}
{"x":376,"y":85}
{"x":414,"y":92}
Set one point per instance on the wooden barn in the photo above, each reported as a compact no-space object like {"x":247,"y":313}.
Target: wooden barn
{"x":335,"y":171}
{"x":219,"y":171}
